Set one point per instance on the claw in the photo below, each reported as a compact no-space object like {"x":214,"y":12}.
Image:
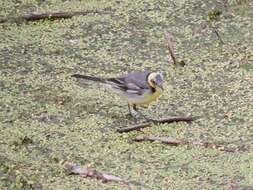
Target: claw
{"x":135,"y":112}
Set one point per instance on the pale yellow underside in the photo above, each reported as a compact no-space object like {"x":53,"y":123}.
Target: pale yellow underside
{"x":146,"y":98}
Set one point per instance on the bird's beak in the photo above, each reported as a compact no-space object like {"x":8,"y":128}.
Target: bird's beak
{"x":160,"y":85}
{"x":159,"y":81}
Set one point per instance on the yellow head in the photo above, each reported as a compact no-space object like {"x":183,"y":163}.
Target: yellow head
{"x":155,"y":80}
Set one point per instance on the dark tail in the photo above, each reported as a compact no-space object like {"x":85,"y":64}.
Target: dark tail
{"x":96,"y":79}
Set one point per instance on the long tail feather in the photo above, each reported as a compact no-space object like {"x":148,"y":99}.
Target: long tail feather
{"x":96,"y":79}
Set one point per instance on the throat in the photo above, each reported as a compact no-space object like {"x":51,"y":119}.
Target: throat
{"x":153,"y":90}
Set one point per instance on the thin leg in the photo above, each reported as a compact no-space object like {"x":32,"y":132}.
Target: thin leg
{"x":130,"y":111}
{"x":135,"y":108}
{"x":141,"y":114}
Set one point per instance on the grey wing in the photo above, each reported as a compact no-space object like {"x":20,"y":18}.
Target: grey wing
{"x":137,"y":78}
{"x":134,"y":82}
{"x":134,"y":89}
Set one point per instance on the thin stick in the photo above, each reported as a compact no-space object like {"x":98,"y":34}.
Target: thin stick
{"x":149,"y":124}
{"x":53,"y":16}
{"x":176,"y":142}
{"x":92,"y":173}
{"x":166,"y":140}
{"x":171,"y":46}
{"x":218,"y":35}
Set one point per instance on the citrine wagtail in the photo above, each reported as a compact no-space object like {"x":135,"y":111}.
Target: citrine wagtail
{"x":138,"y":88}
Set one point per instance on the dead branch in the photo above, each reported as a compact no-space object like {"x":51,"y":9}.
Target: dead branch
{"x":166,"y":140}
{"x":218,"y":35}
{"x":159,"y":121}
{"x":203,"y":26}
{"x":53,"y":16}
{"x":92,"y":173}
{"x":176,"y":142}
{"x":171,"y":46}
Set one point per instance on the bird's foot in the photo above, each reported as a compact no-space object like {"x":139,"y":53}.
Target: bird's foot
{"x":151,"y":120}
{"x":139,"y":114}
{"x":135,"y":113}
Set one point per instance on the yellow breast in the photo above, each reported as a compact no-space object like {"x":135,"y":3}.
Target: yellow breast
{"x":148,"y":97}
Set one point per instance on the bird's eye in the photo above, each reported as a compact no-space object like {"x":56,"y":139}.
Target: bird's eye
{"x":159,"y":78}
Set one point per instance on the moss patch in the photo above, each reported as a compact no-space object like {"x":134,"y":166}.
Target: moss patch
{"x":47,"y":117}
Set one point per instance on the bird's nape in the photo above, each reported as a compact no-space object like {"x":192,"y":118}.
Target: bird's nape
{"x":155,"y":80}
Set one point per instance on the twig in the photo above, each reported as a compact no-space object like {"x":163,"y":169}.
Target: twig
{"x":149,"y":124}
{"x":53,"y":16}
{"x":166,"y":140}
{"x":176,"y":142}
{"x":171,"y":46}
{"x":208,"y":24}
{"x":92,"y":173}
{"x":218,"y":35}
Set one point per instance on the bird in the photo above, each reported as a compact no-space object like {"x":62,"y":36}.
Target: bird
{"x":137,"y":88}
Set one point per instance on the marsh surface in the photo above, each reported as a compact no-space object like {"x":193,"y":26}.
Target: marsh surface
{"x":47,"y":117}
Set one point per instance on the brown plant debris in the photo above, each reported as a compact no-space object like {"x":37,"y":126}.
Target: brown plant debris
{"x":215,"y":30}
{"x":159,"y":121}
{"x":176,"y":142}
{"x":52,"y":16}
{"x":166,"y":140}
{"x":94,"y":174}
{"x":213,"y":16}
{"x":171,"y":46}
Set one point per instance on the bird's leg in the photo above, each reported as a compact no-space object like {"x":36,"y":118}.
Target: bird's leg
{"x":129,"y":109}
{"x":132,"y":112}
{"x":141,"y":114}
